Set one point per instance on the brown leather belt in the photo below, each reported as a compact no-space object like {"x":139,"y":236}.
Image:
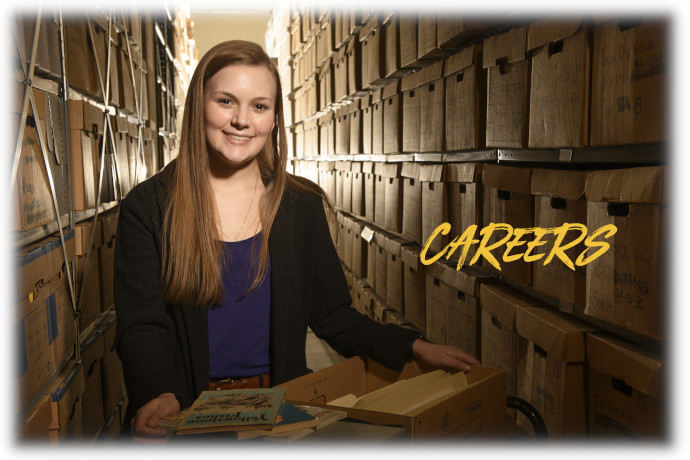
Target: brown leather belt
{"x":258,"y":381}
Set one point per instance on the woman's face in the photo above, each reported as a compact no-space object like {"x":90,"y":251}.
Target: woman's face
{"x":239,"y":110}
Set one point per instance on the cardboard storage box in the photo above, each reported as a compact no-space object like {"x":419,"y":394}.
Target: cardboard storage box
{"x":501,"y":345}
{"x":106,"y":255}
{"x":464,"y":192}
{"x":414,"y":286}
{"x":560,"y":83}
{"x":452,"y":306}
{"x":347,"y":189}
{"x":79,"y":57}
{"x":407,"y":30}
{"x":66,"y":394}
{"x":507,"y":199}
{"x":326,"y":136}
{"x":559,"y":198}
{"x":376,"y":122}
{"x":432,"y":108}
{"x":92,"y":350}
{"x":48,"y":48}
{"x":370,"y":181}
{"x":84,"y":154}
{"x":411,"y":113}
{"x":325,"y":85}
{"x":626,"y":390}
{"x":479,"y":410}
{"x":36,"y":423}
{"x":412,"y":202}
{"x":389,"y":266}
{"x":359,"y":248}
{"x":394,"y":28}
{"x":625,"y":285}
{"x":434,"y":205}
{"x":357,"y":189}
{"x":392,"y":118}
{"x":465,"y":100}
{"x":356,"y":140}
{"x":373,"y":38}
{"x":341,"y":167}
{"x":508,"y":89}
{"x":629,"y":97}
{"x":361,"y":301}
{"x":354,"y":67}
{"x":32,"y":196}
{"x":327,"y":178}
{"x":455,"y":31}
{"x":87,"y":274}
{"x":111,"y":368}
{"x":388,"y":196}
{"x":553,"y":376}
{"x":367,"y":124}
{"x":342,"y":131}
{"x":340,"y":75}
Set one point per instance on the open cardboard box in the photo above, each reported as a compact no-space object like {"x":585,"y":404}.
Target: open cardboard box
{"x":478,"y":410}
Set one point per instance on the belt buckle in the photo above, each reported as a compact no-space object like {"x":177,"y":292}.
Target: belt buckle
{"x":225,"y":381}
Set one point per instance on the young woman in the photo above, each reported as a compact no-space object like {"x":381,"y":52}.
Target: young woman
{"x":223,"y":259}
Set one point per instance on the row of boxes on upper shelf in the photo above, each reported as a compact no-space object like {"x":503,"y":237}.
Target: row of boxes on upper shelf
{"x":86,"y":400}
{"x":48,"y":328}
{"x":132,"y":158}
{"x":553,"y":83}
{"x":506,"y":205}
{"x":583,"y":381}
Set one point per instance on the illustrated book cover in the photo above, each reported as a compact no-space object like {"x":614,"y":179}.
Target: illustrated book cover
{"x":289,"y":418}
{"x":232,"y":410}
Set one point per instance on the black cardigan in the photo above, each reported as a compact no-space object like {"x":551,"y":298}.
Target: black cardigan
{"x":164,"y":347}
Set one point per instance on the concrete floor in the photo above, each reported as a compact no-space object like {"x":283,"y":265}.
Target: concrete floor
{"x":319,"y":354}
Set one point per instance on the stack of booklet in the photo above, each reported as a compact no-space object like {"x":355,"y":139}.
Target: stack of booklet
{"x":251,"y":413}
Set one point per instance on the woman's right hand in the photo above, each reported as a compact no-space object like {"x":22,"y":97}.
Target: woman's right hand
{"x":145,"y":422}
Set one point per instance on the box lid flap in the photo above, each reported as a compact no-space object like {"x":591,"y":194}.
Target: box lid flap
{"x":424,"y":75}
{"x":343,"y":165}
{"x":389,"y":243}
{"x":466,"y":280}
{"x":391,"y":89}
{"x":431,"y":173}
{"x":326,"y":165}
{"x":463,"y":172}
{"x":376,"y":95}
{"x":631,"y":185}
{"x":511,"y":178}
{"x":387,"y":169}
{"x":409,"y":254}
{"x":508,"y":46}
{"x":629,"y":362}
{"x":503,"y":302}
{"x":369,"y":27}
{"x":555,"y":332}
{"x":550,"y":30}
{"x":462,"y":60}
{"x":410,"y":169}
{"x":368,"y":167}
{"x":567,"y":184}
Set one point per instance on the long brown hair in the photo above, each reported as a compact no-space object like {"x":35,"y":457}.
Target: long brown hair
{"x":192,"y":248}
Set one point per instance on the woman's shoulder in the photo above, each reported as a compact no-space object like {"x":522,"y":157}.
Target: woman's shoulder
{"x":300,"y":191}
{"x":150,"y":191}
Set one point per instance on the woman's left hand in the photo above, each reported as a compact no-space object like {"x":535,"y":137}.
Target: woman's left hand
{"x":443,"y":356}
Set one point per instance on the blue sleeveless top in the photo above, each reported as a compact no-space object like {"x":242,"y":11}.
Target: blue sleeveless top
{"x":238,"y":327}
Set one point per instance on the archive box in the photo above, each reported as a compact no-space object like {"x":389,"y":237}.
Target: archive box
{"x":477,"y":411}
{"x":625,"y":285}
{"x":552,"y":376}
{"x":392,"y":118}
{"x":412,"y":202}
{"x":66,"y":394}
{"x":464,"y":192}
{"x":560,"y":52}
{"x":508,"y":85}
{"x":414,"y":286}
{"x":629,"y":96}
{"x":626,"y":387}
{"x":559,"y":198}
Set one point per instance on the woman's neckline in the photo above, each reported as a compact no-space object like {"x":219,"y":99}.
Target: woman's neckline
{"x":243,"y":240}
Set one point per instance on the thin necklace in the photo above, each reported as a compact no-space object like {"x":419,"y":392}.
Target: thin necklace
{"x":248,"y":210}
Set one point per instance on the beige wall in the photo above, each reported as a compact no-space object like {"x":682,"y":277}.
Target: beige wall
{"x":211,"y":28}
